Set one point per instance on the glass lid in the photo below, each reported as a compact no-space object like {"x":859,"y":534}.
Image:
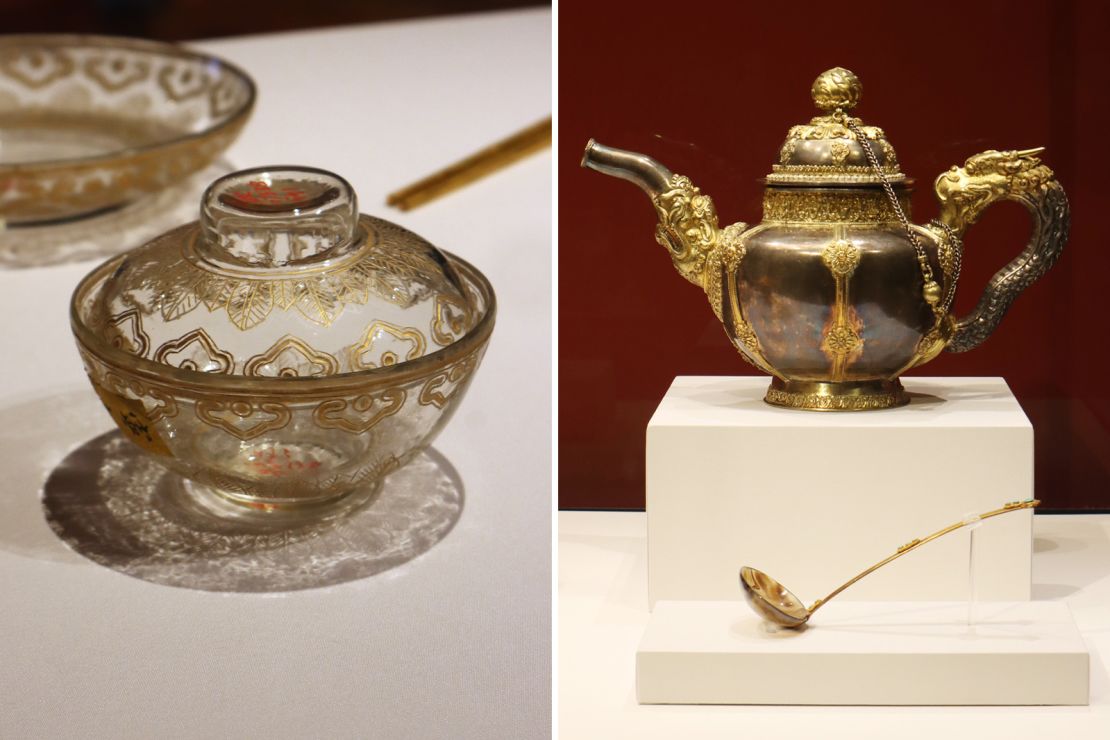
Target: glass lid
{"x":827,"y":151}
{"x":282,"y":277}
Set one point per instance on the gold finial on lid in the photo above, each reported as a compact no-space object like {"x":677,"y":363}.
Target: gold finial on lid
{"x":836,"y":89}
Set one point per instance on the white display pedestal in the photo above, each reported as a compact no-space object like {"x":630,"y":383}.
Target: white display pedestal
{"x":813,"y":498}
{"x":714,"y":652}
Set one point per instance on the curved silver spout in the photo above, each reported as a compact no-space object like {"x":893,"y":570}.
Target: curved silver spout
{"x":687,"y":219}
{"x":641,"y":169}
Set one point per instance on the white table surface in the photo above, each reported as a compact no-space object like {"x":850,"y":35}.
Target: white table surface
{"x":454,"y":644}
{"x":602,"y":613}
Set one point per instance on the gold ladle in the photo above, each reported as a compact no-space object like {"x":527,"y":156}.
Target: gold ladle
{"x":778,"y":605}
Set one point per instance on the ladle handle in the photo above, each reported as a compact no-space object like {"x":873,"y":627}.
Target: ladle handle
{"x":916,"y":543}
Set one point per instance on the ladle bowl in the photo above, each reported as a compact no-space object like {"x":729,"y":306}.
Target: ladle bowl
{"x":773,"y":601}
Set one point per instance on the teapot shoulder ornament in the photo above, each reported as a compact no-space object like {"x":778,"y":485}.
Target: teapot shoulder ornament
{"x":836,"y":294}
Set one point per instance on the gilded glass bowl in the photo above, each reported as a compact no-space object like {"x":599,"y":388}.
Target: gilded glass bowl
{"x":90,"y":123}
{"x":284,"y":351}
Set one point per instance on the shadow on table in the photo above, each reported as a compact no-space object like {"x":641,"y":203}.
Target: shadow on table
{"x":111,"y":503}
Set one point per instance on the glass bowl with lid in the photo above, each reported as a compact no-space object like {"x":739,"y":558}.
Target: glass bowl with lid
{"x":283,"y":352}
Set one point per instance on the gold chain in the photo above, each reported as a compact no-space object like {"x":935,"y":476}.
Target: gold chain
{"x":957,"y":264}
{"x":931,"y":290}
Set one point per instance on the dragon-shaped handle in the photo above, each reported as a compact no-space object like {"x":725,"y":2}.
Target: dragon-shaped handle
{"x":964,"y":192}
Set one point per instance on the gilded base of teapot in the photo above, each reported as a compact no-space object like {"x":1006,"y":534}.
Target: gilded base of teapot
{"x":814,"y":395}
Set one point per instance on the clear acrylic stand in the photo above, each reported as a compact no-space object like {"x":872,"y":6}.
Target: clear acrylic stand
{"x":973,"y":522}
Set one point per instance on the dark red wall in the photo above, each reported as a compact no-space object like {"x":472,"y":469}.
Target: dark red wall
{"x":711,"y":92}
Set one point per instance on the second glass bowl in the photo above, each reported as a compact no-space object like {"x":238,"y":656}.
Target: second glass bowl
{"x":90,"y":123}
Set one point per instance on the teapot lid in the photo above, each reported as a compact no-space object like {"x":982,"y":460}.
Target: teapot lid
{"x":282,"y":277}
{"x":826,"y":151}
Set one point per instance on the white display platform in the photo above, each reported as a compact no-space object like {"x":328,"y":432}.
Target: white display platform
{"x":814,"y":498}
{"x":602,"y":615}
{"x":873,"y":653}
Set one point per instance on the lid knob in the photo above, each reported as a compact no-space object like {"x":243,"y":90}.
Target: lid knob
{"x":837,"y":88}
{"x":278,"y":216}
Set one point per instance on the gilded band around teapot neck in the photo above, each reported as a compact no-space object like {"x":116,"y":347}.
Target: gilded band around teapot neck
{"x":836,"y":294}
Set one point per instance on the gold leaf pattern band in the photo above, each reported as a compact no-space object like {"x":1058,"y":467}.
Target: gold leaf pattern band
{"x":855,"y":205}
